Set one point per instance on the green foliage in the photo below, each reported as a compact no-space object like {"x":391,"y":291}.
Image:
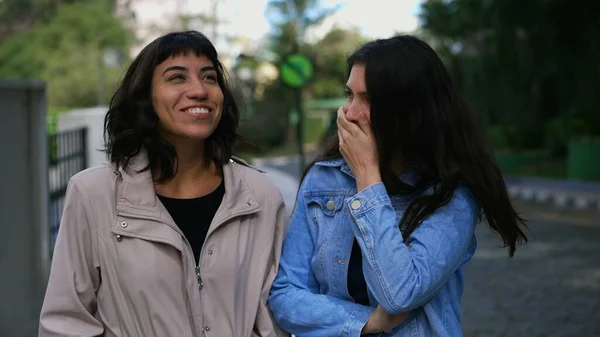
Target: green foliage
{"x":515,"y":137}
{"x":523,"y":64}
{"x":66,"y":52}
{"x":18,"y":16}
{"x":572,"y":125}
{"x":314,"y":129}
{"x":52,"y":118}
{"x":267,"y":128}
{"x":290,"y":20}
{"x":330,"y":55}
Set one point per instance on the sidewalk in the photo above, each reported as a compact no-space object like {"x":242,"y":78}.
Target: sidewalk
{"x":561,"y":194}
{"x":558,"y":193}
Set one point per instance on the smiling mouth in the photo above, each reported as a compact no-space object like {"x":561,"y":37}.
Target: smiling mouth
{"x":197,"y":111}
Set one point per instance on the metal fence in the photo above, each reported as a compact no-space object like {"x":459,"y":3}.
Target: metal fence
{"x":67,"y":156}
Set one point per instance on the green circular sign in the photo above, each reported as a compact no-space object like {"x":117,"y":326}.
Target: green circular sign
{"x":296,"y":70}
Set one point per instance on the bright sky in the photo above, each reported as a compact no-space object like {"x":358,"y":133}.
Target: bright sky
{"x":375,"y":18}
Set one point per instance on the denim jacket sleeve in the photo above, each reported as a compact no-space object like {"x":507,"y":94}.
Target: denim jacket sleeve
{"x":295,"y":300}
{"x":400,"y":279}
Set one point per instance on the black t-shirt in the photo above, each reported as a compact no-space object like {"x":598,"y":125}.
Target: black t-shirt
{"x":357,"y":286}
{"x":194,"y":216}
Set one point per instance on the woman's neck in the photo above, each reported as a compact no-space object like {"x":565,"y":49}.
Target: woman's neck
{"x":194,"y":176}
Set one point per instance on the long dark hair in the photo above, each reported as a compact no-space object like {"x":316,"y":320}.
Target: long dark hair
{"x":131,"y":122}
{"x":422,"y":123}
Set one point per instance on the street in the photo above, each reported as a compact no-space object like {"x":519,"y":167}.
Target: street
{"x":550,"y":288}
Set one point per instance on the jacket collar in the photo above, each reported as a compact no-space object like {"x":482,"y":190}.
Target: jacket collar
{"x":409,"y":177}
{"x":339,"y":163}
{"x":136,"y":194}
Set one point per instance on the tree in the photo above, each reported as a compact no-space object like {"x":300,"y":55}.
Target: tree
{"x":290,"y":19}
{"x":521,"y":64}
{"x":330,"y":55}
{"x":66,"y":51}
{"x":18,"y":16}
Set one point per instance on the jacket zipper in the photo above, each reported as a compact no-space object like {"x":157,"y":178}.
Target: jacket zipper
{"x":188,"y":249}
{"x":198,"y":269}
{"x":200,"y":285}
{"x":185,"y":265}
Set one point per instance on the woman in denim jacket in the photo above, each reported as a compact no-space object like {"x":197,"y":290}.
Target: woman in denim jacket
{"x":385,"y":217}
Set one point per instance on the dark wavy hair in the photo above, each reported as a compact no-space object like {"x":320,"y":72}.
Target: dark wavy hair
{"x":131,"y":124}
{"x":422,"y":123}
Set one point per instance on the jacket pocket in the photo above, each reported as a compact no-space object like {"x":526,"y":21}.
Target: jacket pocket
{"x":146,"y":277}
{"x":148,"y":230}
{"x":410,"y":327}
{"x":328,"y":204}
{"x":147,"y":251}
{"x":326,"y":210}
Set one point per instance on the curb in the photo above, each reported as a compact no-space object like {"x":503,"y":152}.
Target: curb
{"x":560,"y":194}
{"x":558,"y":199}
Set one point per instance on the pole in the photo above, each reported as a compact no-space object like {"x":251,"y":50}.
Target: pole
{"x":299,"y":128}
{"x":300,"y":111}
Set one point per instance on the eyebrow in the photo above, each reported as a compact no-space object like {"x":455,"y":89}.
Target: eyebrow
{"x":362,"y":93}
{"x":180,"y":68}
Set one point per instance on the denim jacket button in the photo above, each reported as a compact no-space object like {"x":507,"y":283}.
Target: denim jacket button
{"x":356,"y":204}
{"x":330,"y":205}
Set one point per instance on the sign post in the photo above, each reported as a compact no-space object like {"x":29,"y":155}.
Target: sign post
{"x":295,"y":71}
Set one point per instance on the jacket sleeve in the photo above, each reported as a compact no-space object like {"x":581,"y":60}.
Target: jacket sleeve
{"x":400,"y":279}
{"x":265,"y":324}
{"x":295,"y":299}
{"x":70,"y":301}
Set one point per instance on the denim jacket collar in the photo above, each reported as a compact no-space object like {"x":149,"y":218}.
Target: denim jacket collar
{"x":409,"y":177}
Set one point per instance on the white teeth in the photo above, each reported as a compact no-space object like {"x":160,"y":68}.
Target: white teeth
{"x":197,"y":110}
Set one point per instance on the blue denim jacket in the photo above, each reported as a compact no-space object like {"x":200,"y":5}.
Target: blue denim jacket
{"x":310,"y":296}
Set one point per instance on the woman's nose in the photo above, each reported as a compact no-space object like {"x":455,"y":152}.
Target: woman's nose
{"x":352,"y":115}
{"x":197,"y":90}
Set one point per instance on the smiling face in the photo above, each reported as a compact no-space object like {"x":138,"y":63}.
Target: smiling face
{"x":187,"y":97}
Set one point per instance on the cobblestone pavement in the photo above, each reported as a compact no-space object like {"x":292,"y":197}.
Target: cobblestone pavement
{"x":550,"y":288}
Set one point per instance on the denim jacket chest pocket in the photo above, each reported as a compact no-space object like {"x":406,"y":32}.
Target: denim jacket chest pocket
{"x":328,"y":222}
{"x":325,"y":210}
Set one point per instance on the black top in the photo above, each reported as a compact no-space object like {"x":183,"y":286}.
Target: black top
{"x":194,"y":216}
{"x":357,"y":286}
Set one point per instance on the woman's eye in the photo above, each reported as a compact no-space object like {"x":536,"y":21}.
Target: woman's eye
{"x":211,"y":78}
{"x":177,"y":77}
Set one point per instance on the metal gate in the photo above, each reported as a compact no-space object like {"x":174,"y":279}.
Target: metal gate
{"x":67,"y":152}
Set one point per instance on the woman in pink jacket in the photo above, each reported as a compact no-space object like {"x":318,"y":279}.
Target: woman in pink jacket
{"x":172,"y":237}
